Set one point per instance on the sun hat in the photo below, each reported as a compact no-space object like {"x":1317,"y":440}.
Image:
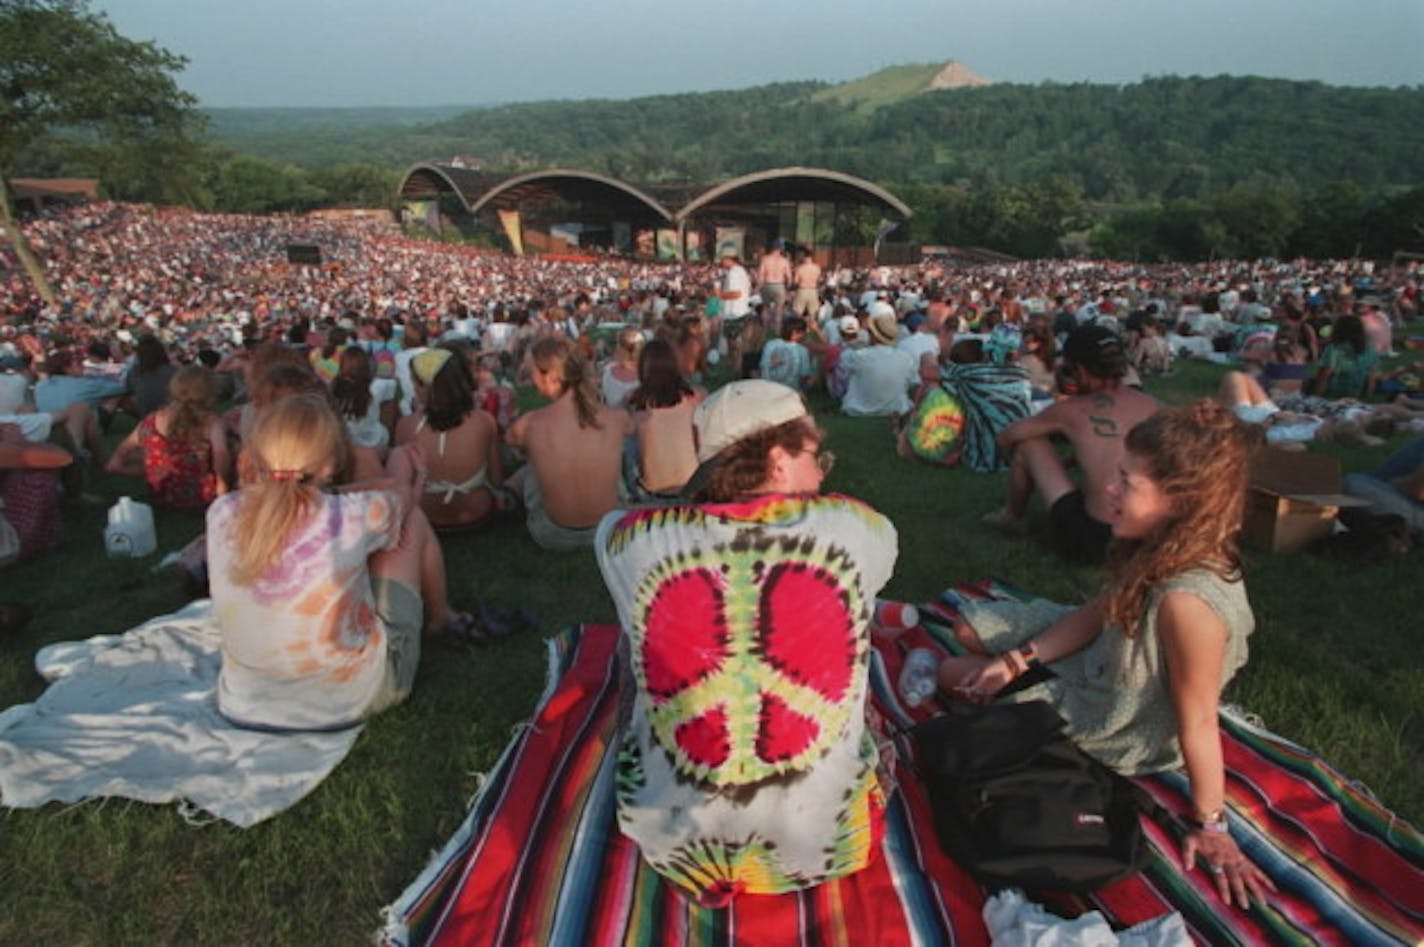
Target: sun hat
{"x":883,"y":328}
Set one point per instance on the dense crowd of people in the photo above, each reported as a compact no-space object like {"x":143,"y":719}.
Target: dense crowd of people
{"x":371,"y":410}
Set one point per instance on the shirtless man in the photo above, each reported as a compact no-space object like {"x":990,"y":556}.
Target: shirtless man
{"x":575,"y":448}
{"x":773,"y":273}
{"x":807,"y":277}
{"x":1095,"y":422}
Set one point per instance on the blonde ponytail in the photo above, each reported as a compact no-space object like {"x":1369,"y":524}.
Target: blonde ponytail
{"x":295,"y":445}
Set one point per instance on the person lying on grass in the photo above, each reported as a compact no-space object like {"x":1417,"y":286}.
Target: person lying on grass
{"x":748,"y":765}
{"x":1138,"y":672}
{"x":320,"y":596}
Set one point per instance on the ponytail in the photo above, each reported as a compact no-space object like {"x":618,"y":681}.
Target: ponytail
{"x":573,"y":376}
{"x":295,"y":443}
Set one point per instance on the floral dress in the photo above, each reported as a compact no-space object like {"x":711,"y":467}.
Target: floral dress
{"x":180,"y":474}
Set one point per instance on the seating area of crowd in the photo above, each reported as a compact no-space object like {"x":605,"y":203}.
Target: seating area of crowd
{"x":324,"y":444}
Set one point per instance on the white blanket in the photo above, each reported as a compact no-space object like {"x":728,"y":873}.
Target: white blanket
{"x":135,"y":715}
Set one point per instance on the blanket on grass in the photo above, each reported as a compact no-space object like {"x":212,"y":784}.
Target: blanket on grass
{"x":135,"y":715}
{"x":539,"y":860}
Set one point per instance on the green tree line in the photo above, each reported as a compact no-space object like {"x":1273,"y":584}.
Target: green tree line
{"x":1166,"y":168}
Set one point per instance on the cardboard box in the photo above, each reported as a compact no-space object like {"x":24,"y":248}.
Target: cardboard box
{"x":1293,"y":499}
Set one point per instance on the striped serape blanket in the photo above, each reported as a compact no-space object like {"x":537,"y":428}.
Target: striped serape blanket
{"x":540,"y":860}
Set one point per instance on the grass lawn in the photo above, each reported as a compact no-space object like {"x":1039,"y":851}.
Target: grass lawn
{"x":1333,"y":665}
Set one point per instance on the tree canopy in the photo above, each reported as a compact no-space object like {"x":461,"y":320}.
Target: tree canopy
{"x":71,"y":84}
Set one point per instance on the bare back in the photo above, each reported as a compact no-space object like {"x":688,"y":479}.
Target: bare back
{"x":808,"y":275}
{"x":666,"y":453}
{"x":454,"y":458}
{"x":578,"y":468}
{"x":1097,"y":424}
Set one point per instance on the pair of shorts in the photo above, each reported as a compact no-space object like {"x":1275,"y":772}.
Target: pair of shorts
{"x":1074,"y":533}
{"x":545,"y":532}
{"x":806,"y":303}
{"x":403,"y":615}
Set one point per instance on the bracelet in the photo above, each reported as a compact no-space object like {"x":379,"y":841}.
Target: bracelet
{"x":1214,"y":821}
{"x":1029,"y":653}
{"x":1008,"y":658}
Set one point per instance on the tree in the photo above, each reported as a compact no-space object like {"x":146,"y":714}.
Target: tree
{"x":68,"y":79}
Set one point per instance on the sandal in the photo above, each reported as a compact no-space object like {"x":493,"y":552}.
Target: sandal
{"x":462,"y":628}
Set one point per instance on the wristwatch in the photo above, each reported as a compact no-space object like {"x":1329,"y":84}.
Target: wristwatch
{"x":1214,"y":821}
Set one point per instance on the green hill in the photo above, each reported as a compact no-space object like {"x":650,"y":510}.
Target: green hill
{"x":897,"y":83}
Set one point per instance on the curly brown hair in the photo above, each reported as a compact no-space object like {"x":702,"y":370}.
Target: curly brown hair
{"x":1199,"y":456}
{"x":744,"y":466}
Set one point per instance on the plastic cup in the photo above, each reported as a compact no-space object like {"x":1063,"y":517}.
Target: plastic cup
{"x":897,"y":615}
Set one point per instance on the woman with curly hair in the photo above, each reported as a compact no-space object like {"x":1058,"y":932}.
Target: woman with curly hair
{"x":1137,"y":673}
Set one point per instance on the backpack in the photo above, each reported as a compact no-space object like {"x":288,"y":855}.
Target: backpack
{"x":1019,"y":805}
{"x":1369,"y":538}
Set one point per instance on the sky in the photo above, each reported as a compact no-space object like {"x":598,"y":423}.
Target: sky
{"x":271,"y":53}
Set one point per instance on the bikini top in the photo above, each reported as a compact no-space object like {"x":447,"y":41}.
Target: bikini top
{"x":449,"y":488}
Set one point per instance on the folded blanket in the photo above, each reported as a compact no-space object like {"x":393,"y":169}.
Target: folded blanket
{"x":135,"y":715}
{"x":540,"y":858}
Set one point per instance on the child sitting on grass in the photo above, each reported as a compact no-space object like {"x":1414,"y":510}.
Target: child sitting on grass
{"x":321,"y":596}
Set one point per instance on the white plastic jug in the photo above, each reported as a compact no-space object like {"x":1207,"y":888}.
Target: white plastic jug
{"x":130,"y":530}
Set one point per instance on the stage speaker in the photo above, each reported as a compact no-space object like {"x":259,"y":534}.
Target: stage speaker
{"x":307,"y":253}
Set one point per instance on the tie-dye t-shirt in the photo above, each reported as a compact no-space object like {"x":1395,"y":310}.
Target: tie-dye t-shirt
{"x":745,"y":764}
{"x":303,"y":647}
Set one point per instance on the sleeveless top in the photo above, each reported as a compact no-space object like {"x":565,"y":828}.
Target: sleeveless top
{"x":1114,"y":693}
{"x":180,"y":473}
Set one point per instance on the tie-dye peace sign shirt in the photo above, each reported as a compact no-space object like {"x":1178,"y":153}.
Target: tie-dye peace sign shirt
{"x":746,"y":765}
{"x":303,"y":647}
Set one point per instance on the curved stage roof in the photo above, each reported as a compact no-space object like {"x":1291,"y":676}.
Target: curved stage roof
{"x":478,"y":191}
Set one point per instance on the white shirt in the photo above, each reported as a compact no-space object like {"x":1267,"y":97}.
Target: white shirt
{"x":737,"y":280}
{"x":405,"y":380}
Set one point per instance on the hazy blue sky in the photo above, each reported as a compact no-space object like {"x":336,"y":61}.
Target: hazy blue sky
{"x":437,"y":52}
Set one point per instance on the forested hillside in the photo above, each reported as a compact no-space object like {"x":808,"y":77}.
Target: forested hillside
{"x":1165,"y":168}
{"x":1163,"y":138}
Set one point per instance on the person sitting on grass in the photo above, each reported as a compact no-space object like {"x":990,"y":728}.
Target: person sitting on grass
{"x":458,"y":442}
{"x":748,"y":765}
{"x":1094,"y":420}
{"x":181,"y":449}
{"x":30,"y":521}
{"x":662,"y":409}
{"x":1347,"y":366}
{"x":1138,"y":672}
{"x":575,"y":449}
{"x":320,"y":595}
{"x":368,"y":419}
{"x":879,"y":376}
{"x":786,"y":360}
